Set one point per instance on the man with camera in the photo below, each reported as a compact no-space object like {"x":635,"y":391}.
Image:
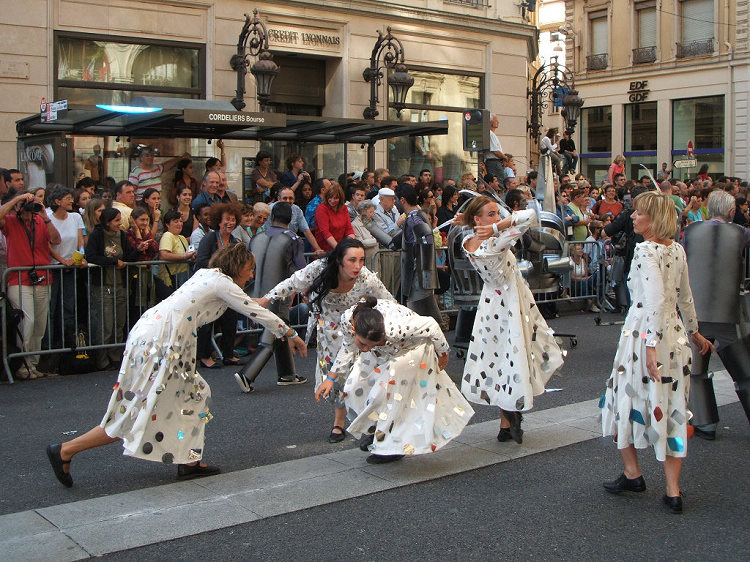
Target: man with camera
{"x":29,"y":233}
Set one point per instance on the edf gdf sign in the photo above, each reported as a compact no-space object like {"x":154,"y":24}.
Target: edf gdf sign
{"x":638,"y":91}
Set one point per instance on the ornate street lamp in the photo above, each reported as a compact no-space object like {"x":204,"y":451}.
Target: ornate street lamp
{"x":553,"y":82}
{"x":399,"y":80}
{"x":253,"y":42}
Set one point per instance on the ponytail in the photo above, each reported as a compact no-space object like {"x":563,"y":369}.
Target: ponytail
{"x":367,"y":320}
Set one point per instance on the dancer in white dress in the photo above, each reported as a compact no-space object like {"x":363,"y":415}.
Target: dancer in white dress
{"x":159,"y":407}
{"x":645,"y":403}
{"x":397,"y":389}
{"x":513,"y":352}
{"x":333,"y":285}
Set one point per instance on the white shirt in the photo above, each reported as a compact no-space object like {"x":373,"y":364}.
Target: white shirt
{"x":197,"y":236}
{"x":68,"y":229}
{"x":494,"y":144}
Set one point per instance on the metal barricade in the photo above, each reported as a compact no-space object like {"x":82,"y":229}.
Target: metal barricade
{"x":588,"y":281}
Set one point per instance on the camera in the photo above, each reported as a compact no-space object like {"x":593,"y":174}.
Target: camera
{"x":32,"y":207}
{"x":35,"y":278}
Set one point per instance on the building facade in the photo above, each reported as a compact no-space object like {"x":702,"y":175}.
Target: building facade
{"x":657,"y":75}
{"x":461,"y":53}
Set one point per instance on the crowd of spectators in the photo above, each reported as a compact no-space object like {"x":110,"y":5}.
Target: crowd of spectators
{"x":125,"y":227}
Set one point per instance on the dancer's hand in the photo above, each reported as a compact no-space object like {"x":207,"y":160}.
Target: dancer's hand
{"x":651,"y":364}
{"x":443,"y":360}
{"x":298,"y":344}
{"x":263,"y":301}
{"x":324,"y":389}
{"x":701,"y":343}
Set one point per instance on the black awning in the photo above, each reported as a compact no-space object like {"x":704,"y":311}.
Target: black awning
{"x":168,"y":119}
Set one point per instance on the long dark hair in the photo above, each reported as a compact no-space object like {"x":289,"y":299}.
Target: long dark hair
{"x":329,"y":277}
{"x":367,"y":320}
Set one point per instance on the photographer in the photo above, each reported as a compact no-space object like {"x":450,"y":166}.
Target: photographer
{"x":29,"y":233}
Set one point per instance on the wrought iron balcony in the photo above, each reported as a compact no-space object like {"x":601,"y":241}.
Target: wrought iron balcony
{"x":695,"y":48}
{"x":597,"y":62}
{"x":644,"y":55}
{"x":470,"y":3}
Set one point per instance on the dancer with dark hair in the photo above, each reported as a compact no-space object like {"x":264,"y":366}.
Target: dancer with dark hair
{"x":333,"y":284}
{"x":397,"y":391}
{"x":513,"y":352}
{"x":159,"y":407}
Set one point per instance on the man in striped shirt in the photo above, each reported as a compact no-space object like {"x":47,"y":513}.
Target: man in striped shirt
{"x":147,"y":174}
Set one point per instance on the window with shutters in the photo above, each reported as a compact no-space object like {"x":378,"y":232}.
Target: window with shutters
{"x":645,"y":52}
{"x":599,"y":42}
{"x":697,"y":21}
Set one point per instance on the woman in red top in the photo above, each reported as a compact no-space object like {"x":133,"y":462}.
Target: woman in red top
{"x":609,"y":205}
{"x":617,"y":167}
{"x":332,"y":222}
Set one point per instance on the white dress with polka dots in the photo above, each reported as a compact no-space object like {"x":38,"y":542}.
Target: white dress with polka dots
{"x":397,"y":390}
{"x":160,"y":404}
{"x":513,"y":353}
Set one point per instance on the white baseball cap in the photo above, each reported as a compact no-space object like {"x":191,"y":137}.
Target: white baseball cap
{"x":386,"y":192}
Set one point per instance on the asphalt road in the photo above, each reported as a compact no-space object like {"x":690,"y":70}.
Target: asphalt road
{"x":546,"y":506}
{"x":273,"y":424}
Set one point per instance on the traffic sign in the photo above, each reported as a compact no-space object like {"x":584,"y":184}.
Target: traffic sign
{"x":688,"y":163}
{"x":690,"y":149}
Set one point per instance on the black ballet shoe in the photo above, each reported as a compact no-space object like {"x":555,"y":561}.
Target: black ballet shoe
{"x":383,"y":459}
{"x":53,"y":453}
{"x":515,"y":419}
{"x":187,"y":472}
{"x":204,"y":366}
{"x":624,"y":484}
{"x":504,"y":435}
{"x":673,"y":503}
{"x":337,"y":437}
{"x":704,"y":434}
{"x":365,"y":441}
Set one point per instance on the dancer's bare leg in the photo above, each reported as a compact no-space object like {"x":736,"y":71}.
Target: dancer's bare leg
{"x":95,"y":437}
{"x":630,"y":460}
{"x":504,"y":423}
{"x":672,"y":467}
{"x":339,"y":418}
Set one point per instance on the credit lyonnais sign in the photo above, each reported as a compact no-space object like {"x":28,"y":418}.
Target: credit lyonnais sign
{"x":234,"y":118}
{"x":298,"y":38}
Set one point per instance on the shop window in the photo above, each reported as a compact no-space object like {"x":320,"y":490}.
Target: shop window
{"x":596,"y":129}
{"x":436,"y":96}
{"x":599,"y":42}
{"x":697,"y":24}
{"x":645,"y":52}
{"x":640,"y":127}
{"x":91,"y":69}
{"x":700,"y":120}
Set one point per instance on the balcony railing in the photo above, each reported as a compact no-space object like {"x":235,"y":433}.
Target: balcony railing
{"x":644,"y":55}
{"x":695,"y":48}
{"x":470,"y":3}
{"x":597,"y":62}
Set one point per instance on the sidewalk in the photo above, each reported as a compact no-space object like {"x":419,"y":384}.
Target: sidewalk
{"x":122,"y":521}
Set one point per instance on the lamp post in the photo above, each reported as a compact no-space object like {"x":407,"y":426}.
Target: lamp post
{"x":392,"y":52}
{"x":556,"y":82}
{"x":253,"y":42}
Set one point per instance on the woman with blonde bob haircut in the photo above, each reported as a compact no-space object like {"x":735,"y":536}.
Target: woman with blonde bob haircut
{"x":645,"y":402}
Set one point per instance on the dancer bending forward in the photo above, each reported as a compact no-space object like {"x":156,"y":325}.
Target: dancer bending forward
{"x":397,"y":390}
{"x":159,"y":407}
{"x":645,"y":403}
{"x":513,"y":352}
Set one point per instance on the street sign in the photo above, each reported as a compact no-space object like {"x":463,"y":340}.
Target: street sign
{"x":690,"y":149}
{"x":688,"y":163}
{"x":248,"y":119}
{"x":53,"y":110}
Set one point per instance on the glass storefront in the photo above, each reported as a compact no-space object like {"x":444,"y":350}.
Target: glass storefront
{"x":640,"y":139}
{"x":435,"y":96}
{"x":700,"y":120}
{"x":596,"y":142}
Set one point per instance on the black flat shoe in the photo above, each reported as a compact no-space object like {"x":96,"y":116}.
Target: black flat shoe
{"x":504,"y":435}
{"x":625,"y":484}
{"x":703,"y":434}
{"x":515,"y":419}
{"x":230,"y":362}
{"x":204,"y":366}
{"x":53,"y":453}
{"x":186,"y":471}
{"x":383,"y":459}
{"x":365,"y":441}
{"x":673,"y":503}
{"x":337,"y":437}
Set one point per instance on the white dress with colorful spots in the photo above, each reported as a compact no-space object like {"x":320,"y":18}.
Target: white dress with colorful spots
{"x":397,"y":390}
{"x":513,"y":352}
{"x":328,"y":319}
{"x":636,"y":410}
{"x":160,"y":404}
